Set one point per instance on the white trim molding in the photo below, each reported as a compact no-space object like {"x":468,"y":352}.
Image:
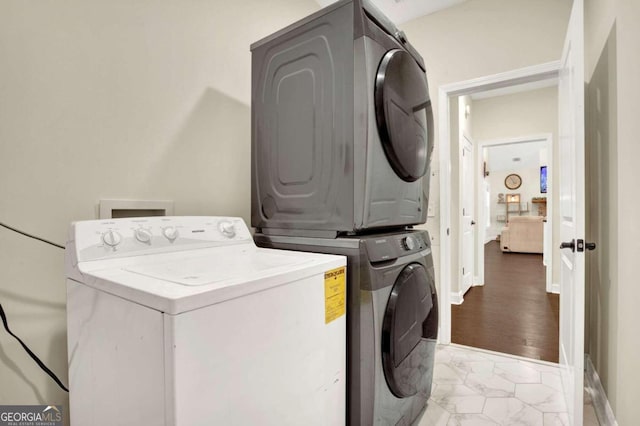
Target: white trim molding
{"x":555,"y":288}
{"x":549,"y":70}
{"x":488,"y":238}
{"x":444,"y":142}
{"x":456,"y":298}
{"x":600,"y":402}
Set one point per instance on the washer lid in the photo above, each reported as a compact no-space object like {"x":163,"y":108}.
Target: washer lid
{"x":183,"y":281}
{"x":404,"y":114}
{"x":225,"y":266}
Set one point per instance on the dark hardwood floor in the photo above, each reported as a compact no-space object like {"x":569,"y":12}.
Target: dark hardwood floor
{"x":512,"y":313}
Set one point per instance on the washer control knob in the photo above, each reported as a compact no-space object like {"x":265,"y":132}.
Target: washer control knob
{"x":227,"y":228}
{"x":170,"y":233}
{"x":111,"y":238}
{"x":143,"y":235}
{"x":409,"y":243}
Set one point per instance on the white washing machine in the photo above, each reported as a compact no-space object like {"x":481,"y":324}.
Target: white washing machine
{"x":184,"y":321}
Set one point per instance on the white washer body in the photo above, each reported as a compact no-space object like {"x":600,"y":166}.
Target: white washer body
{"x":187,"y":325}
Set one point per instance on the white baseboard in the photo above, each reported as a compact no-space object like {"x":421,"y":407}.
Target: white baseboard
{"x":555,"y":288}
{"x":489,"y":238}
{"x":456,"y":298}
{"x":600,"y":402}
{"x":476,"y":282}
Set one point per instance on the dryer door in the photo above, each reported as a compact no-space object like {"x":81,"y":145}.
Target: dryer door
{"x":403,"y":114}
{"x":411,"y":301}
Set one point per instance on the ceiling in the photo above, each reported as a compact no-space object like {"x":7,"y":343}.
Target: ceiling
{"x":501,"y":157}
{"x":400,"y":11}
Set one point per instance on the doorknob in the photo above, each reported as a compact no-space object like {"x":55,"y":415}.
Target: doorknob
{"x":473,"y":222}
{"x":590,"y":246}
{"x":571,"y":245}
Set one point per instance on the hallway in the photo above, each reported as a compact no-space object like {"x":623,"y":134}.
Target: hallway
{"x":512,"y":313}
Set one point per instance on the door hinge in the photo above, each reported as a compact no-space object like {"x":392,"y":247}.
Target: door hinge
{"x":580,"y":246}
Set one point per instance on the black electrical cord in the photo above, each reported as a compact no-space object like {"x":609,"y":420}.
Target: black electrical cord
{"x":31,"y":354}
{"x":31,"y":236}
{"x":6,"y":324}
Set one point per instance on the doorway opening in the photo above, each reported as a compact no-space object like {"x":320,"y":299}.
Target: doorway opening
{"x":511,"y":308}
{"x":517,"y":181}
{"x":461,"y":259}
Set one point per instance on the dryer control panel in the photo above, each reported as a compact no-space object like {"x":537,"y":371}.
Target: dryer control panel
{"x":111,"y":238}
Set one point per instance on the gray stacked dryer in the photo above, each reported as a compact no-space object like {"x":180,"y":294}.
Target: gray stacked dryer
{"x":341,"y":125}
{"x":342,"y":136}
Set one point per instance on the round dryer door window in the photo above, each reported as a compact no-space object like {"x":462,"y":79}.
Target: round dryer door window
{"x":403,"y":114}
{"x":408,"y":307}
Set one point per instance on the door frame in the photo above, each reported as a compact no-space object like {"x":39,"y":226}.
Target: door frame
{"x":459,"y":297}
{"x":481,"y":236}
{"x":549,"y":70}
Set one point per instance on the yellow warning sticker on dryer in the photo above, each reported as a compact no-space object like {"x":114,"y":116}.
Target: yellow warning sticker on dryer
{"x":334,"y":294}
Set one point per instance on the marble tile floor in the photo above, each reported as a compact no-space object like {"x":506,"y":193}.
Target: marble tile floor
{"x":477,"y":387}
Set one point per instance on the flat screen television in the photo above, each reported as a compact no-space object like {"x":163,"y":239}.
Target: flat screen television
{"x":543,"y":179}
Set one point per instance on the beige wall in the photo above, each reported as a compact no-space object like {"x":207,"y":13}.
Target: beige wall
{"x":628,"y":93}
{"x":613,"y":66}
{"x":479,"y":38}
{"x":113,"y":99}
{"x":532,"y":112}
{"x":601,"y":327}
{"x":484,"y":37}
{"x":521,"y":114}
{"x":150,"y":100}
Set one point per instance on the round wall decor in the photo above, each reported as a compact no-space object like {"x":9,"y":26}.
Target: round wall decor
{"x":513,"y":181}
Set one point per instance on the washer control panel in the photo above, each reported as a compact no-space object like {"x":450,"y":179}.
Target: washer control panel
{"x":410,"y":242}
{"x":99,"y":239}
{"x":392,"y":246}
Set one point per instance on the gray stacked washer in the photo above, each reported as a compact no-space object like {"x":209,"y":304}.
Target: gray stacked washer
{"x":392,"y":317}
{"x":342,"y":136}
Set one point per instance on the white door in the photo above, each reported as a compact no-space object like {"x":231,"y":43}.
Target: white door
{"x":466,"y":206}
{"x":572,"y":222}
